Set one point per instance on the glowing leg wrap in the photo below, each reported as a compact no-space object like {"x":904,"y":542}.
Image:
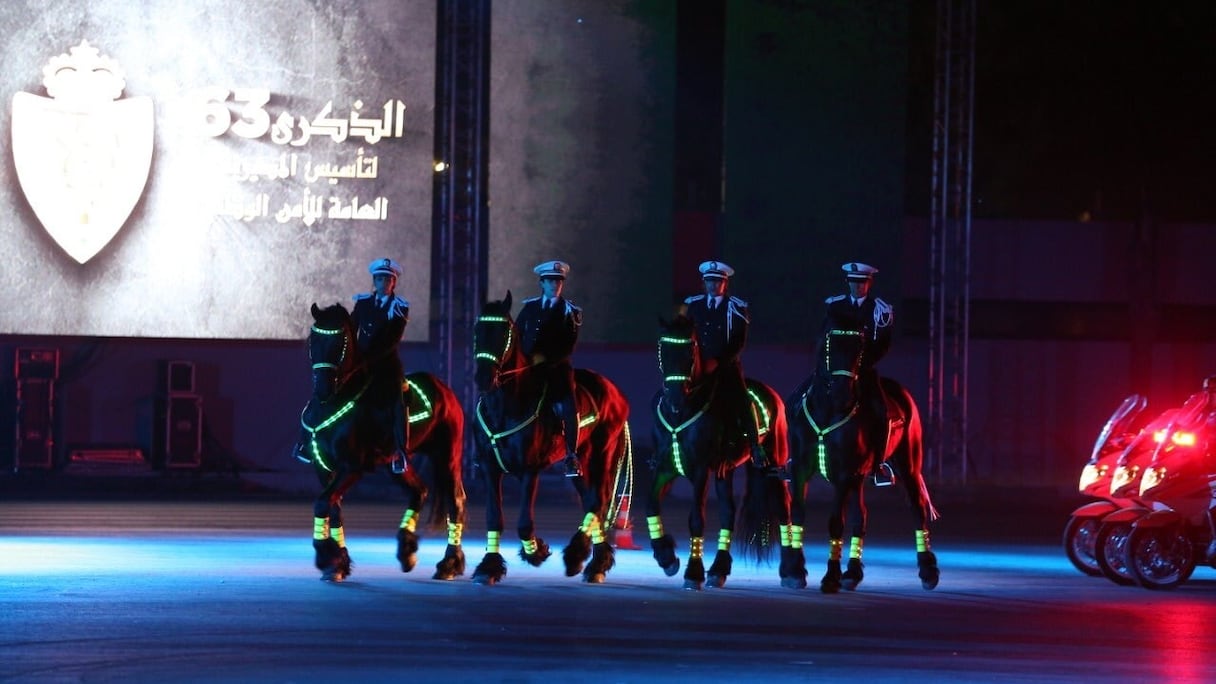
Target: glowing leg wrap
{"x":492,"y":541}
{"x":655,"y":526}
{"x":455,"y":530}
{"x":855,"y":547}
{"x":795,"y":536}
{"x":696,"y":547}
{"x":339,"y":536}
{"x":593,"y":528}
{"x":922,"y":541}
{"x":409,"y":521}
{"x":723,"y":541}
{"x":320,"y":528}
{"x":835,"y":547}
{"x":529,"y":546}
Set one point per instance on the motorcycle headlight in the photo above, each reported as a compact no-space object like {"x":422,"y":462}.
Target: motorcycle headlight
{"x":1124,"y":475}
{"x":1090,"y":475}
{"x":1152,"y":478}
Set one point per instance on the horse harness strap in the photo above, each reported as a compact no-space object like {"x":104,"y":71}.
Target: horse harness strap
{"x":820,"y":432}
{"x":675,"y":432}
{"x":494,"y":437}
{"x":333,"y":418}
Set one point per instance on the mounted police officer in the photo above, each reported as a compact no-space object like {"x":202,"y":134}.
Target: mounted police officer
{"x":860,"y":311}
{"x":722,"y":323}
{"x":380,"y":317}
{"x":549,"y":326}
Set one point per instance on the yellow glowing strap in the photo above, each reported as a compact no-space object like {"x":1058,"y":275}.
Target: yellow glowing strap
{"x":492,"y":541}
{"x":407,"y":386}
{"x":675,"y":433}
{"x":759,"y":412}
{"x":338,"y":535}
{"x":529,"y":545}
{"x":835,"y":547}
{"x":593,"y":528}
{"x":724,"y":540}
{"x":696,"y":547}
{"x":455,"y":531}
{"x":784,"y":531}
{"x":320,"y":528}
{"x":796,"y":536}
{"x":494,"y":437}
{"x":821,"y":451}
{"x":409,"y":521}
{"x":855,"y":547}
{"x":506,"y":347}
{"x":922,"y":541}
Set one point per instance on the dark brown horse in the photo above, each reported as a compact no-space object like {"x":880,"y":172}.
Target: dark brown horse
{"x":833,"y":433}
{"x":516,"y":435}
{"x":691,"y":440}
{"x":348,"y":441}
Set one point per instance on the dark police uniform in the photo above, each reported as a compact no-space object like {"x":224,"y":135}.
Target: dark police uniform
{"x":722,"y":334}
{"x":548,"y":335}
{"x":380,"y":325}
{"x":873,"y":318}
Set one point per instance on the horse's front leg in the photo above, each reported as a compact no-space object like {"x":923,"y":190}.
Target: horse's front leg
{"x":328,"y":537}
{"x":854,"y":573}
{"x":694,"y":574}
{"x":661,"y":543}
{"x":407,"y":532}
{"x":724,"y":490}
{"x":842,"y":487}
{"x":492,"y":567}
{"x":533,"y":550}
{"x":591,"y":531}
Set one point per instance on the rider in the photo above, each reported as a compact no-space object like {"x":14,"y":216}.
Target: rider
{"x":871,"y":316}
{"x":721,"y":323}
{"x":549,"y":327}
{"x":380,"y":317}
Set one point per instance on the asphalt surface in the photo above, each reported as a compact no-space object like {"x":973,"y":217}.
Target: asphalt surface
{"x":213,"y":581}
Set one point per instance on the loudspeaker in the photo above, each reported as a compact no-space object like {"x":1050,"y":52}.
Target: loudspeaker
{"x":176,"y":377}
{"x":36,"y":364}
{"x":178,"y":432}
{"x":35,"y":424}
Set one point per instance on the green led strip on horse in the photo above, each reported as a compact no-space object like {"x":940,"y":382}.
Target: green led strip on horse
{"x":505,"y":348}
{"x":333,"y":418}
{"x":495,"y":436}
{"x":407,"y":386}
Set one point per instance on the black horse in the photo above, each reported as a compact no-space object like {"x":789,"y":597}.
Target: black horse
{"x":347,"y":442}
{"x":692,"y":440}
{"x":835,"y":434}
{"x":517,"y":436}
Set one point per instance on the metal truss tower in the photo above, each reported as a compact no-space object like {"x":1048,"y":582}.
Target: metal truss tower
{"x":459,"y":247}
{"x":950,"y":240}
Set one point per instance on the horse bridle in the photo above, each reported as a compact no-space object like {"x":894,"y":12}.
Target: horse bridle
{"x":827,"y":353}
{"x":335,"y":367}
{"x":497,"y":361}
{"x":667,"y":339}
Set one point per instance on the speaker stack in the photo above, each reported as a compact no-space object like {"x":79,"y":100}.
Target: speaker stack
{"x":36,"y":371}
{"x":178,"y":424}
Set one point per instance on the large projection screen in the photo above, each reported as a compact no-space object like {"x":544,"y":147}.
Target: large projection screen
{"x":208,"y":169}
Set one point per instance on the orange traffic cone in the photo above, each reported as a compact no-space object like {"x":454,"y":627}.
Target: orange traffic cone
{"x":621,"y":533}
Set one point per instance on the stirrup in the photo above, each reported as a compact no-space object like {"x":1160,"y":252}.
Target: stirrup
{"x":398,"y":464}
{"x":301,"y":454}
{"x":571,"y":466}
{"x":884,"y":475}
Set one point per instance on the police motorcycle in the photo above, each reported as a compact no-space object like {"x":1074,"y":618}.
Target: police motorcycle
{"x":1080,"y":533}
{"x":1164,"y":547}
{"x":1110,"y":542}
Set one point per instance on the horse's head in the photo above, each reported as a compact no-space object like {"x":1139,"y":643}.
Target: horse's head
{"x":331,"y":349}
{"x":838,"y":368}
{"x":495,"y":344}
{"x":678,"y":355}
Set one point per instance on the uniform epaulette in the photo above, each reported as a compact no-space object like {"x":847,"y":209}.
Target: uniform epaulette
{"x":574,"y":312}
{"x":400,"y":301}
{"x":362,"y":295}
{"x":737,"y":301}
{"x":837,"y":298}
{"x":690,"y":300}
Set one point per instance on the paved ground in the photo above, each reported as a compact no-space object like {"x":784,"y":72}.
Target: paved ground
{"x":218,"y":585}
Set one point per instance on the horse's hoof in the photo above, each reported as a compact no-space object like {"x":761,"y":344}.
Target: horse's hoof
{"x":407,"y":549}
{"x":793,"y":582}
{"x":671,"y":570}
{"x":487,"y":580}
{"x":602,"y":560}
{"x":715,"y":581}
{"x":830,"y":584}
{"x":577,"y":551}
{"x":829,"y":587}
{"x":853,"y":575}
{"x":537,"y":557}
{"x":665,"y":554}
{"x":692,"y":585}
{"x":451,"y":565}
{"x":594,"y":578}
{"x":490,"y":570}
{"x":929,"y":573}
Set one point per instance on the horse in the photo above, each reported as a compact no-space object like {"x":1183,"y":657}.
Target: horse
{"x":835,"y":434}
{"x":517,"y":436}
{"x":692,"y":440}
{"x":347,"y":442}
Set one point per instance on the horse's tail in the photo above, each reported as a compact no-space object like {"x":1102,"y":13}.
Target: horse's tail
{"x":446,"y":449}
{"x":911,"y":449}
{"x":766,"y":505}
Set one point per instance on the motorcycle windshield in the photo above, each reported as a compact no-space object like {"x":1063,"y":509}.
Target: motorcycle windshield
{"x":1119,"y":423}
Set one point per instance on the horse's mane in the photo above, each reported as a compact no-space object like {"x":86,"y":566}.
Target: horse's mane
{"x":333,"y":316}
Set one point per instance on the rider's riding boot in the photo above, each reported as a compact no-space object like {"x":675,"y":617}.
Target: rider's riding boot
{"x":568,"y":416}
{"x":751,"y":436}
{"x":401,"y":437}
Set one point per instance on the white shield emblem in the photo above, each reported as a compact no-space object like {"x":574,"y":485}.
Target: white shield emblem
{"x":82,"y":155}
